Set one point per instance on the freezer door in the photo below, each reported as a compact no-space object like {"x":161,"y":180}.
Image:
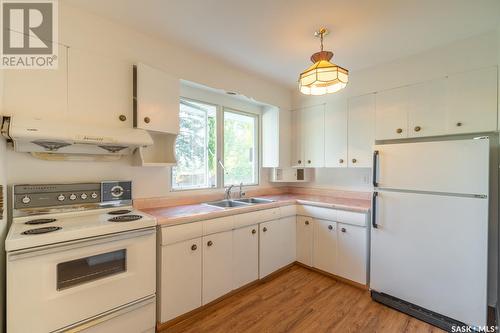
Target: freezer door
{"x":431,"y":251}
{"x":455,"y":166}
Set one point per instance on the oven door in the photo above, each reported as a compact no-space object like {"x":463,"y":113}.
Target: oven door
{"x":55,"y":286}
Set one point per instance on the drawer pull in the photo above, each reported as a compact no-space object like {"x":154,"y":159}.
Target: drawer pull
{"x":147,"y":120}
{"x":341,"y":161}
{"x":354,"y":160}
{"x":194,"y":247}
{"x":459,"y":124}
{"x":264,"y":229}
{"x":399,"y":130}
{"x":417,"y":128}
{"x":343,"y":230}
{"x":210,"y":243}
{"x":330,"y":227}
{"x":254,"y":231}
{"x":306,"y":222}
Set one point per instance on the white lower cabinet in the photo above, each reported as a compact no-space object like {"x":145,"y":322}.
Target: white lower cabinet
{"x":352,"y":252}
{"x":325,"y":246}
{"x":180,"y":284}
{"x":277,"y":245}
{"x":304,"y":227}
{"x":217,"y":265}
{"x":245,"y":255}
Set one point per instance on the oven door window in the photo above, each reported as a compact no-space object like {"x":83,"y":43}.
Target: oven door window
{"x":75,"y":272}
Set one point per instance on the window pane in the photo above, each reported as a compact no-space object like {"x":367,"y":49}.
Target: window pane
{"x":240,"y":148}
{"x":195,"y":147}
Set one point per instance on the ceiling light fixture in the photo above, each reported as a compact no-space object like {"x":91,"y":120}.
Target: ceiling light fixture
{"x":322,"y":77}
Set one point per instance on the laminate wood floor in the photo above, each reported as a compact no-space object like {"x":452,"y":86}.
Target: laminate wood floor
{"x":300,"y":300}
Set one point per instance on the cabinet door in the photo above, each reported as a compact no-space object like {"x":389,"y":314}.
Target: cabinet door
{"x":361,"y":131}
{"x":245,"y":255}
{"x":313,"y":120}
{"x":472,"y":101}
{"x":391,"y":121}
{"x":180,"y":284}
{"x":269,"y":254}
{"x":297,"y":140}
{"x":157,"y":100}
{"x":305,"y":240}
{"x":427,"y":109}
{"x":352,"y":253}
{"x":336,"y":134}
{"x":289,"y":236}
{"x":217,"y":265}
{"x":100,"y":88}
{"x":325,"y":246}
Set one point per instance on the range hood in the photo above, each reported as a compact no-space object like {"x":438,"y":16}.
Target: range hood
{"x":44,"y":138}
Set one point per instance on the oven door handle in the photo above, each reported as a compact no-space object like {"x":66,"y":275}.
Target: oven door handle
{"x":42,"y":250}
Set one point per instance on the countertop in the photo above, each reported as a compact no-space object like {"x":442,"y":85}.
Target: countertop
{"x":189,"y":213}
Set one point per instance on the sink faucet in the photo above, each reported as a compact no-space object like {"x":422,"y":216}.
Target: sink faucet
{"x":227,"y":193}
{"x":242,"y":194}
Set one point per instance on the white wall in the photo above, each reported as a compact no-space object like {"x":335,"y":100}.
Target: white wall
{"x":86,"y":32}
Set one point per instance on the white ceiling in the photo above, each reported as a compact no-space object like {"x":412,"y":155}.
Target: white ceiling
{"x":275,"y":37}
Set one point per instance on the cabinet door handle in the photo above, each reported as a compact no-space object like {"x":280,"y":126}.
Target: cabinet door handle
{"x":399,"y":130}
{"x":330,"y":227}
{"x":343,"y":230}
{"x":264,"y":229}
{"x":354,"y":160}
{"x":459,"y":124}
{"x":194,"y":247}
{"x":210,"y":243}
{"x":254,"y":231}
{"x":374,"y":210}
{"x":309,"y":161}
{"x":299,"y":161}
{"x":341,"y":161}
{"x":417,"y":128}
{"x":306,"y":222}
{"x":147,"y":120}
{"x":374,"y":169}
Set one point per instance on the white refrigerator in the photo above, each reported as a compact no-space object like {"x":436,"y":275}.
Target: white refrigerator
{"x":429,"y":235}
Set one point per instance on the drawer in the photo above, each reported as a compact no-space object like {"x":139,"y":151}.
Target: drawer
{"x":218,"y":225}
{"x":317,"y":212}
{"x":287,"y":211}
{"x":179,"y":233}
{"x":352,"y":218}
{"x":246,"y":219}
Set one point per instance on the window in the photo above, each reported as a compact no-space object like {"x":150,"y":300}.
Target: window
{"x":240,"y":147}
{"x":195,"y":147}
{"x":206,"y":150}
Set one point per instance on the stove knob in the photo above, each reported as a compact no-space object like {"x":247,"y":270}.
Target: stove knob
{"x":72,"y":196}
{"x":84,"y":196}
{"x":61,"y":197}
{"x":26,"y":200}
{"x":93,"y":195}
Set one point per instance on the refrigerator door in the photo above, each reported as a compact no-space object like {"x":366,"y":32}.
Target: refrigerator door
{"x":431,"y":250}
{"x":455,"y":166}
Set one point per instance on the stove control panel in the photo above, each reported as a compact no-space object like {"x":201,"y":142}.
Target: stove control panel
{"x":56,"y":195}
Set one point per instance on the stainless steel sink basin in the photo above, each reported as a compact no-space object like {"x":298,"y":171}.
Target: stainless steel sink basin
{"x":253,"y":201}
{"x":226,"y":203}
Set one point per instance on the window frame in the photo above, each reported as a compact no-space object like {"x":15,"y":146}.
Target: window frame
{"x":219,"y":153}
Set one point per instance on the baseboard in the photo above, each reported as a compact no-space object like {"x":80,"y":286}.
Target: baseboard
{"x":335,"y":277}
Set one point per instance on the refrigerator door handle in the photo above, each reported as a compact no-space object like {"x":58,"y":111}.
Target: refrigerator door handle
{"x":374,"y":169}
{"x":374,"y":210}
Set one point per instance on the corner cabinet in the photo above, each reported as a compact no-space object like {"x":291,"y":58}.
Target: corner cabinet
{"x":336,"y":134}
{"x":361,"y":131}
{"x":309,"y":137}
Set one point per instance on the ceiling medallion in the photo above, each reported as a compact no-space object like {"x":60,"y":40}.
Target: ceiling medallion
{"x":322,"y":77}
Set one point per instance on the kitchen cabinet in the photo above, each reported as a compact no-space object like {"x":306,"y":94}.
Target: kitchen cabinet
{"x":471,"y":101}
{"x":336,"y":134}
{"x":309,"y":134}
{"x":361,"y":131}
{"x":391,"y":112}
{"x":245,"y":255}
{"x":181,"y":274}
{"x":352,"y":252}
{"x":217,"y":265}
{"x":277,"y":245}
{"x":305,"y":231}
{"x":325,"y":246}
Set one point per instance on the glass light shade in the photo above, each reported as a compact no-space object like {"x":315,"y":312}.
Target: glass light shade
{"x":323,"y":77}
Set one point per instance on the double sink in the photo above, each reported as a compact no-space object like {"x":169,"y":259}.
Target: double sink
{"x":237,"y":202}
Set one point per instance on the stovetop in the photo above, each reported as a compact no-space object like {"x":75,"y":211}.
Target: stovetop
{"x":40,"y":230}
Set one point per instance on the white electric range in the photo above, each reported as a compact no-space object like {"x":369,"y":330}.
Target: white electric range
{"x":80,"y":259}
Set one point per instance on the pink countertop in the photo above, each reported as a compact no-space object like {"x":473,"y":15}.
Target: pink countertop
{"x":190,"y":213}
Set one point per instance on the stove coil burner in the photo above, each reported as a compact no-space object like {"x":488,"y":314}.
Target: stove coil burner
{"x":40,"y":221}
{"x":119,"y":212}
{"x":42,"y":230}
{"x":125,"y":218}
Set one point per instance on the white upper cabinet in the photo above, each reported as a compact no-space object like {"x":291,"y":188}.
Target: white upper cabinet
{"x":157,"y":100}
{"x":427,"y":108}
{"x":297,"y":140}
{"x":391,"y":114}
{"x":471,"y":100}
{"x":361,"y":131}
{"x":336,"y":134}
{"x":313,"y":120}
